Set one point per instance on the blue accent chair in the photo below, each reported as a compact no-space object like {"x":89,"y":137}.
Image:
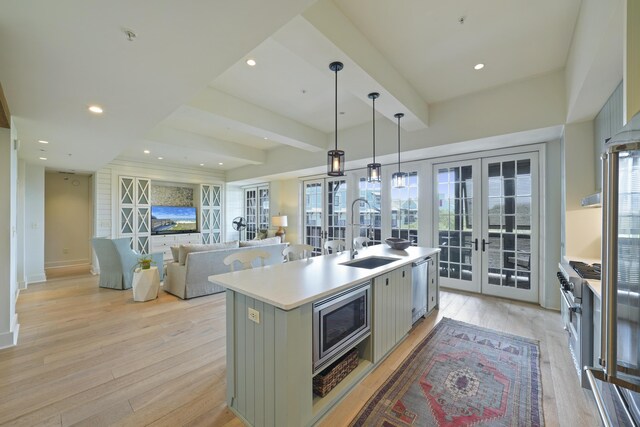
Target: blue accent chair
{"x":117,"y":261}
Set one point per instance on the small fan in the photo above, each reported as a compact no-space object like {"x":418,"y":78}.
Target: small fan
{"x":238,"y":224}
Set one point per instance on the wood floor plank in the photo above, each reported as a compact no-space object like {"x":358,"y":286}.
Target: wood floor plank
{"x":91,"y":356}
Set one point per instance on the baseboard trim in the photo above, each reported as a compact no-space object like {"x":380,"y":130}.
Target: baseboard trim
{"x":10,"y":339}
{"x":64,"y":264}
{"x":36,"y":278}
{"x":22,"y":285}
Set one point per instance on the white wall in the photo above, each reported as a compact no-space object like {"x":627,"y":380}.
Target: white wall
{"x":8,"y":239}
{"x":21,"y":278}
{"x":284,"y":199}
{"x":551,"y":243}
{"x":582,"y":225}
{"x":234,"y":206}
{"x":68,"y":219}
{"x":34,"y":223}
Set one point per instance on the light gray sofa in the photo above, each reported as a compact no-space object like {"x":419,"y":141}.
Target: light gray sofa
{"x":191,"y":279}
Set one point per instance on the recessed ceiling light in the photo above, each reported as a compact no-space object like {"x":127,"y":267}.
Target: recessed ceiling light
{"x":201,"y":164}
{"x":221,"y":163}
{"x":478,"y":66}
{"x":251,"y":62}
{"x":43,"y":158}
{"x":266,"y":137}
{"x":42,"y":141}
{"x":95,"y":109}
{"x":160,"y":158}
{"x":146,"y":151}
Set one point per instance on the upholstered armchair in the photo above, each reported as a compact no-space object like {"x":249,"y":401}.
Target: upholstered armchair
{"x":117,"y":261}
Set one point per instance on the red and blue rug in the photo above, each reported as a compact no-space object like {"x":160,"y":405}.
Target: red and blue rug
{"x":461,"y":375}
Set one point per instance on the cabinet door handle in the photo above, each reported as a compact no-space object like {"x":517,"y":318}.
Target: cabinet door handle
{"x":387,"y":281}
{"x":403,"y":274}
{"x":475,"y":243}
{"x":484,"y":245}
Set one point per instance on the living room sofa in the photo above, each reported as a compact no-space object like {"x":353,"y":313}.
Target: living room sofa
{"x":190,"y":278}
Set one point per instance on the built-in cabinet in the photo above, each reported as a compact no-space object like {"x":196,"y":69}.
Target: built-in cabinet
{"x":134,"y":211}
{"x":134,"y":216}
{"x":607,"y":123}
{"x":210,"y":213}
{"x":433,"y":290}
{"x":163,"y":243}
{"x":392,"y":303}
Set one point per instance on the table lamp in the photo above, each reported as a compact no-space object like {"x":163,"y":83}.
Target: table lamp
{"x":279,"y":221}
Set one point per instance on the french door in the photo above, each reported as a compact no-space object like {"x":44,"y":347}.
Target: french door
{"x":487,"y":225}
{"x":325,"y":212}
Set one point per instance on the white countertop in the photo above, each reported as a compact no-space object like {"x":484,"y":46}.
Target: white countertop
{"x":292,"y":284}
{"x":595,"y":286}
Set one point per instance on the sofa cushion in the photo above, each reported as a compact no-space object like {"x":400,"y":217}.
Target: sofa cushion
{"x":187,"y":249}
{"x":175,"y":252}
{"x":269,"y":241}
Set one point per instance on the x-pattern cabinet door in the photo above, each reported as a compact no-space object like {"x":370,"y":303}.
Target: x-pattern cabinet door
{"x":134,"y":211}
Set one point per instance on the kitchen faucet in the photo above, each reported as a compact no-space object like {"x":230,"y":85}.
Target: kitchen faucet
{"x":353,"y":252}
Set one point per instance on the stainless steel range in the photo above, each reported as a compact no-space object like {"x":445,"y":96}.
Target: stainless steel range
{"x":575,"y":308}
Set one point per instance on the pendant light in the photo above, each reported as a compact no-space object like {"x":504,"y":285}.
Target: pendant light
{"x":373,"y":168}
{"x":399,"y":179}
{"x":335,"y":157}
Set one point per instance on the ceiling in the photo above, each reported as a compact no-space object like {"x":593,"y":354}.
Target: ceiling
{"x":183,"y":91}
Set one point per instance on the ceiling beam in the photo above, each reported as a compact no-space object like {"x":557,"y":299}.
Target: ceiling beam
{"x":373,"y":72}
{"x":5,"y":116}
{"x":176,"y":137}
{"x":249,"y":118}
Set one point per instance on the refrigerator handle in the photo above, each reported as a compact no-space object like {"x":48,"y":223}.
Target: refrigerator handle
{"x":604,"y":262}
{"x":611,"y":278}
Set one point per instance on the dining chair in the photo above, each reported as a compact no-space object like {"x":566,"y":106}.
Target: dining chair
{"x":295,"y":252}
{"x":361,"y":242}
{"x":334,"y":246}
{"x":246,"y":258}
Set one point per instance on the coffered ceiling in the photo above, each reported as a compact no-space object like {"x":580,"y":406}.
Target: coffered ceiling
{"x":182,"y":89}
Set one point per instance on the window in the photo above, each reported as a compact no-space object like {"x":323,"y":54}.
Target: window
{"x":256,"y":210}
{"x":404,"y":210}
{"x":370,"y":217}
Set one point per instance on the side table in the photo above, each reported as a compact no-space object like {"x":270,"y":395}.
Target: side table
{"x":145,"y":284}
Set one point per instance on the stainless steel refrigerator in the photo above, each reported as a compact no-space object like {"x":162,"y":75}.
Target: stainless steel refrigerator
{"x":616,"y":382}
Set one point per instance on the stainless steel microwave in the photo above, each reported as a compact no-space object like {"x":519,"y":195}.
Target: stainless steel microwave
{"x":339,"y":323}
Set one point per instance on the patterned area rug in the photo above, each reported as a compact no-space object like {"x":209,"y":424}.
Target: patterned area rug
{"x":461,"y":375}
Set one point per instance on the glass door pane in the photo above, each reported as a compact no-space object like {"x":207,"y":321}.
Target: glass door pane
{"x":404,"y":210}
{"x":336,"y":209}
{"x":313,"y":214}
{"x":370,"y":216}
{"x":510,"y":212}
{"x":457,"y":220}
{"x":628,"y":262}
{"x":250,"y":213}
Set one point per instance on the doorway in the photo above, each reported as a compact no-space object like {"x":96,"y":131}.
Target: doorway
{"x":486,"y":224}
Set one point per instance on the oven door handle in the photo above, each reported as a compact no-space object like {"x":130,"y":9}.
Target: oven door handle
{"x":573,"y":308}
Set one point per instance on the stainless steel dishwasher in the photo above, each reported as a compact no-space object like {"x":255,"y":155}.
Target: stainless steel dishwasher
{"x":419,"y":283}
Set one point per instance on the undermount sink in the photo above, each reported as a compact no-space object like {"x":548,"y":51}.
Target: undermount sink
{"x":370,"y":262}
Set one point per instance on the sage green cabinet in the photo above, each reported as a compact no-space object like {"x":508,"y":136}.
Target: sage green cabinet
{"x":606,"y":124}
{"x":433,"y":289}
{"x":391,"y":310}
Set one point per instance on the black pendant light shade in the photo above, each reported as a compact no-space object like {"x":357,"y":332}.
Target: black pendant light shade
{"x":399,"y":179}
{"x":373,"y":168}
{"x":335,"y":158}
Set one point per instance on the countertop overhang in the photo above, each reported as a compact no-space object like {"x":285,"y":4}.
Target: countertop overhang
{"x":293,"y":284}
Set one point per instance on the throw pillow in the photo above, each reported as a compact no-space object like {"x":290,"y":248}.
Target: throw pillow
{"x":261,"y":234}
{"x":175,"y":251}
{"x":187,"y":249}
{"x":263,"y":242}
{"x":271,"y":233}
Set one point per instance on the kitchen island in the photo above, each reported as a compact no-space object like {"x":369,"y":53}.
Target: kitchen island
{"x":270,"y":329}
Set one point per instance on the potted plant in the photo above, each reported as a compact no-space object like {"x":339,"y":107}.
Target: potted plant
{"x":144,"y":262}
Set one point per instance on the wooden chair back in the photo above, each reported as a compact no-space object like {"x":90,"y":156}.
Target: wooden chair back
{"x":246,"y":258}
{"x":334,"y":246}
{"x":294,"y":252}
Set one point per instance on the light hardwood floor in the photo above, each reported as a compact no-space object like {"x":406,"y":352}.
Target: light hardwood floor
{"x":90,"y":356}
